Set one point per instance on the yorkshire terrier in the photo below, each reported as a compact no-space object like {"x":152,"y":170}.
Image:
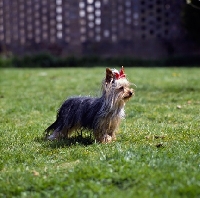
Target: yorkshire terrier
{"x":101,"y":115}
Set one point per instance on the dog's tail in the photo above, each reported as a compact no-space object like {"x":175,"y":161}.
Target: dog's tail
{"x":52,"y":127}
{"x":49,"y":129}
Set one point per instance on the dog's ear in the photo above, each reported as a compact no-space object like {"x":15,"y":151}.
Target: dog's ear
{"x":109,"y":75}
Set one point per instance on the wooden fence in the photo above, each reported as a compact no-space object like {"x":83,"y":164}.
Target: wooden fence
{"x":139,"y":28}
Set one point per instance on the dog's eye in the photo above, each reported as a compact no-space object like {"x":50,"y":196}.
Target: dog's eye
{"x":121,"y":88}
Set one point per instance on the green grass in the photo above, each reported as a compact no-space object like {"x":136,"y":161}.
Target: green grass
{"x":157,"y":152}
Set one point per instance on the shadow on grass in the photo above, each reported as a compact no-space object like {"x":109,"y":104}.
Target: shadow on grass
{"x":76,"y":140}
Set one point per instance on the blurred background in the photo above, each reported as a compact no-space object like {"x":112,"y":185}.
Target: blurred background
{"x":100,"y":32}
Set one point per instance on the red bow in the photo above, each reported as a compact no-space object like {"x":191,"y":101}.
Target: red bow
{"x":120,"y":74}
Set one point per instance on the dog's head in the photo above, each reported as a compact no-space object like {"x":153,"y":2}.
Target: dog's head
{"x":117,"y":84}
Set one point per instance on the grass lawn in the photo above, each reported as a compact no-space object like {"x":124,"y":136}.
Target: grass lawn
{"x":157,"y":152}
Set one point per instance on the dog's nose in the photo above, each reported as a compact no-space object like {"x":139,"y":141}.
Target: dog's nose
{"x":131,"y":92}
